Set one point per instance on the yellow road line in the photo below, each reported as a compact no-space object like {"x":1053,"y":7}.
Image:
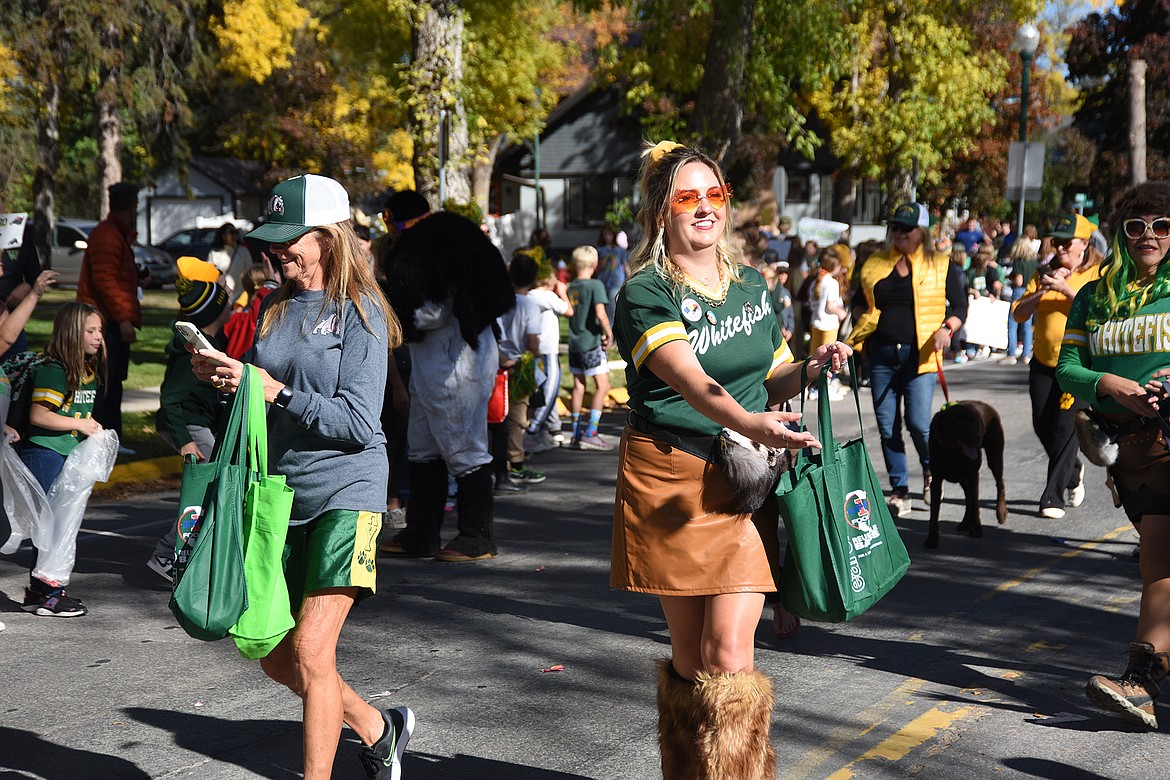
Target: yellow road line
{"x":1038,"y":570}
{"x":915,"y":733}
{"x":843,"y":735}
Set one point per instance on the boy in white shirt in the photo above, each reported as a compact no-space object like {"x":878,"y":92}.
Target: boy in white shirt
{"x":550,"y":296}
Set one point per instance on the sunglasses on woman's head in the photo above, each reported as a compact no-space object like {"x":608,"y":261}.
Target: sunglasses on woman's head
{"x":1136,"y":228}
{"x":685,"y":201}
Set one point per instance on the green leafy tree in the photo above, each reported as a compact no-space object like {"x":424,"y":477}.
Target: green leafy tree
{"x":1101,"y":47}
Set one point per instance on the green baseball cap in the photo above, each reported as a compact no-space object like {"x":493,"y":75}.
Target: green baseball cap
{"x":911,"y":215}
{"x":300,"y":204}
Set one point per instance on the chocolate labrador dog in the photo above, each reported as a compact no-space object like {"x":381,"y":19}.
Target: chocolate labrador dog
{"x":959,"y":435}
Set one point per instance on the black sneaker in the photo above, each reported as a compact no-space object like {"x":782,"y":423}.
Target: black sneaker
{"x":52,"y":604}
{"x":383,"y":759}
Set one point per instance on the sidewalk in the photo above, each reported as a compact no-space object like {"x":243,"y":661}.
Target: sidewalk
{"x":142,"y":400}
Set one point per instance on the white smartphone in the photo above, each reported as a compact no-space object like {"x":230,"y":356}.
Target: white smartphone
{"x":193,"y":335}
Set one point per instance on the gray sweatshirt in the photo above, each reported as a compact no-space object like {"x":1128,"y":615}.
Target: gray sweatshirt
{"x":328,"y":443}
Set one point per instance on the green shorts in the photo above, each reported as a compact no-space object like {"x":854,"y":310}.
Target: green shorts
{"x":337,"y":549}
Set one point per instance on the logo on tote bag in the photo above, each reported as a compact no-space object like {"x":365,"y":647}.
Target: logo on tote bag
{"x":857,"y":515}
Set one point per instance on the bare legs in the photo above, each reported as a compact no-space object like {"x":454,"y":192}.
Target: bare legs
{"x":713,"y":633}
{"x":306,"y":663}
{"x":1154,"y":615}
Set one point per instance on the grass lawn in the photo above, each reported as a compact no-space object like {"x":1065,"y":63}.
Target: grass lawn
{"x":147,"y":359}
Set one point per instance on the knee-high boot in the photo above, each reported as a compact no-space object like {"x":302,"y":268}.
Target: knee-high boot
{"x":475,"y":507}
{"x":424,"y":513}
{"x":734,"y":716}
{"x":676,"y":724}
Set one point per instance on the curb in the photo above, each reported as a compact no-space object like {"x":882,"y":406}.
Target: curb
{"x":145,"y":470}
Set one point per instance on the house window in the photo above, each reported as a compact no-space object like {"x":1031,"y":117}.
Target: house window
{"x":799,"y":188}
{"x":587,"y":198}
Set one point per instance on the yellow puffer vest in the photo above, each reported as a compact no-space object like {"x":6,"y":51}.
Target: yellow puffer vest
{"x":929,"y":274}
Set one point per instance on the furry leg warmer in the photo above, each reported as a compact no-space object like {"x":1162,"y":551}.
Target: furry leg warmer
{"x":676,"y":724}
{"x":734,"y":716}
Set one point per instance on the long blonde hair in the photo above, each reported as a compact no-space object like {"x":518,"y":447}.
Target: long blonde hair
{"x":660,"y":166}
{"x":347,"y":277}
{"x":67,"y":345}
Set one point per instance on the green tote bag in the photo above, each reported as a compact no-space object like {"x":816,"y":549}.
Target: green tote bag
{"x":209,"y":589}
{"x":267,"y":508}
{"x":844,"y":552}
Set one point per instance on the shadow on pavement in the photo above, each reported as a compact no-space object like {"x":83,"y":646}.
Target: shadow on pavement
{"x":267,"y":748}
{"x":1042,"y":767}
{"x":29,"y":754}
{"x":423,"y":766}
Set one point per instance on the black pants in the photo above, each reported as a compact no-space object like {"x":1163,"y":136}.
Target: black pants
{"x":107,"y":408}
{"x":1053,"y":416}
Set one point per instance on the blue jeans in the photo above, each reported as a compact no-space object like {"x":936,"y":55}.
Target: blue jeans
{"x":1019,"y":331}
{"x":45,"y":464}
{"x":894,"y":382}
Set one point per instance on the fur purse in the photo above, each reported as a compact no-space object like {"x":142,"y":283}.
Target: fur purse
{"x":1097,"y":442}
{"x":751,"y":469}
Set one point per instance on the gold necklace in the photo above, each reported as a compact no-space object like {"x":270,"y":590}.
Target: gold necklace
{"x":697,"y":287}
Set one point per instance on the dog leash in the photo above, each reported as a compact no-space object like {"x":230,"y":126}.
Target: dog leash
{"x":942,"y":380}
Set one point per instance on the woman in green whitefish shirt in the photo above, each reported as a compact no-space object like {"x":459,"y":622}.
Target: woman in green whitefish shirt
{"x":1115,"y":355}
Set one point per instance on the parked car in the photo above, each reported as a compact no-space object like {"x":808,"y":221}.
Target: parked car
{"x":190,"y":242}
{"x":155,"y":267}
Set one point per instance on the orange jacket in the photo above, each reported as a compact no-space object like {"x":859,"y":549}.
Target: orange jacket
{"x":109,"y":277}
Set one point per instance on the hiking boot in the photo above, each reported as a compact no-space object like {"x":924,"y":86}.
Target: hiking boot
{"x":527,"y":476}
{"x":1133,"y":694}
{"x":383,"y":759}
{"x":52,"y":604}
{"x":595,"y":442}
{"x":163,"y":566}
{"x":1076,"y":493}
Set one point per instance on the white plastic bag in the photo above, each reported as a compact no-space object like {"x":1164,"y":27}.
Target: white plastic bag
{"x":55,"y":534}
{"x":24,"y":499}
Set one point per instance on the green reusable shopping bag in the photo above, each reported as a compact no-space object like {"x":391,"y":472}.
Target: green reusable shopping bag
{"x":844,"y":552}
{"x":267,"y":507}
{"x":209,"y":589}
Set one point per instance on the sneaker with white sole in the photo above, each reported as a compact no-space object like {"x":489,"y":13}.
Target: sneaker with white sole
{"x":900,"y":504}
{"x":52,"y":604}
{"x":1052,"y":512}
{"x":383,"y":759}
{"x":163,"y":566}
{"x":395,"y":518}
{"x":595,"y":442}
{"x":1076,"y":493}
{"x":526,"y":476}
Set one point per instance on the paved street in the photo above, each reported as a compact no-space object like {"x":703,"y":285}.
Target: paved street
{"x":973,"y":667}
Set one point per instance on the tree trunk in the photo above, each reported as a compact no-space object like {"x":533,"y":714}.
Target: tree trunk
{"x":845,"y":196}
{"x":481,"y":173}
{"x":109,"y":129}
{"x":1137,"y":122}
{"x":45,"y":177}
{"x":436,"y":81}
{"x":718,"y":113}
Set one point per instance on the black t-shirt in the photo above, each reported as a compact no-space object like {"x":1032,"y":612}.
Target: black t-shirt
{"x":894,"y":298}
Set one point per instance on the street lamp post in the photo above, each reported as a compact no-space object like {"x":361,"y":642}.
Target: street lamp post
{"x":1027,"y":39}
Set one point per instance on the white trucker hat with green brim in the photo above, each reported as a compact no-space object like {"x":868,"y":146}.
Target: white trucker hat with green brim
{"x":300,"y":204}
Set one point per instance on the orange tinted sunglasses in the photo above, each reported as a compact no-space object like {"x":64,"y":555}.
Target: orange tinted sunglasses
{"x":686,"y":201}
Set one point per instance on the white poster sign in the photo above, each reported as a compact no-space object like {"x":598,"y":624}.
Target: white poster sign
{"x":823,"y":231}
{"x":12,"y":230}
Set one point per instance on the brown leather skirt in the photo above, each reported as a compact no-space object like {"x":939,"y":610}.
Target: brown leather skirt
{"x":1141,"y":474}
{"x":670,"y":536}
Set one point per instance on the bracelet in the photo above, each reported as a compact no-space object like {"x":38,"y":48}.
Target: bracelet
{"x":947,"y":327}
